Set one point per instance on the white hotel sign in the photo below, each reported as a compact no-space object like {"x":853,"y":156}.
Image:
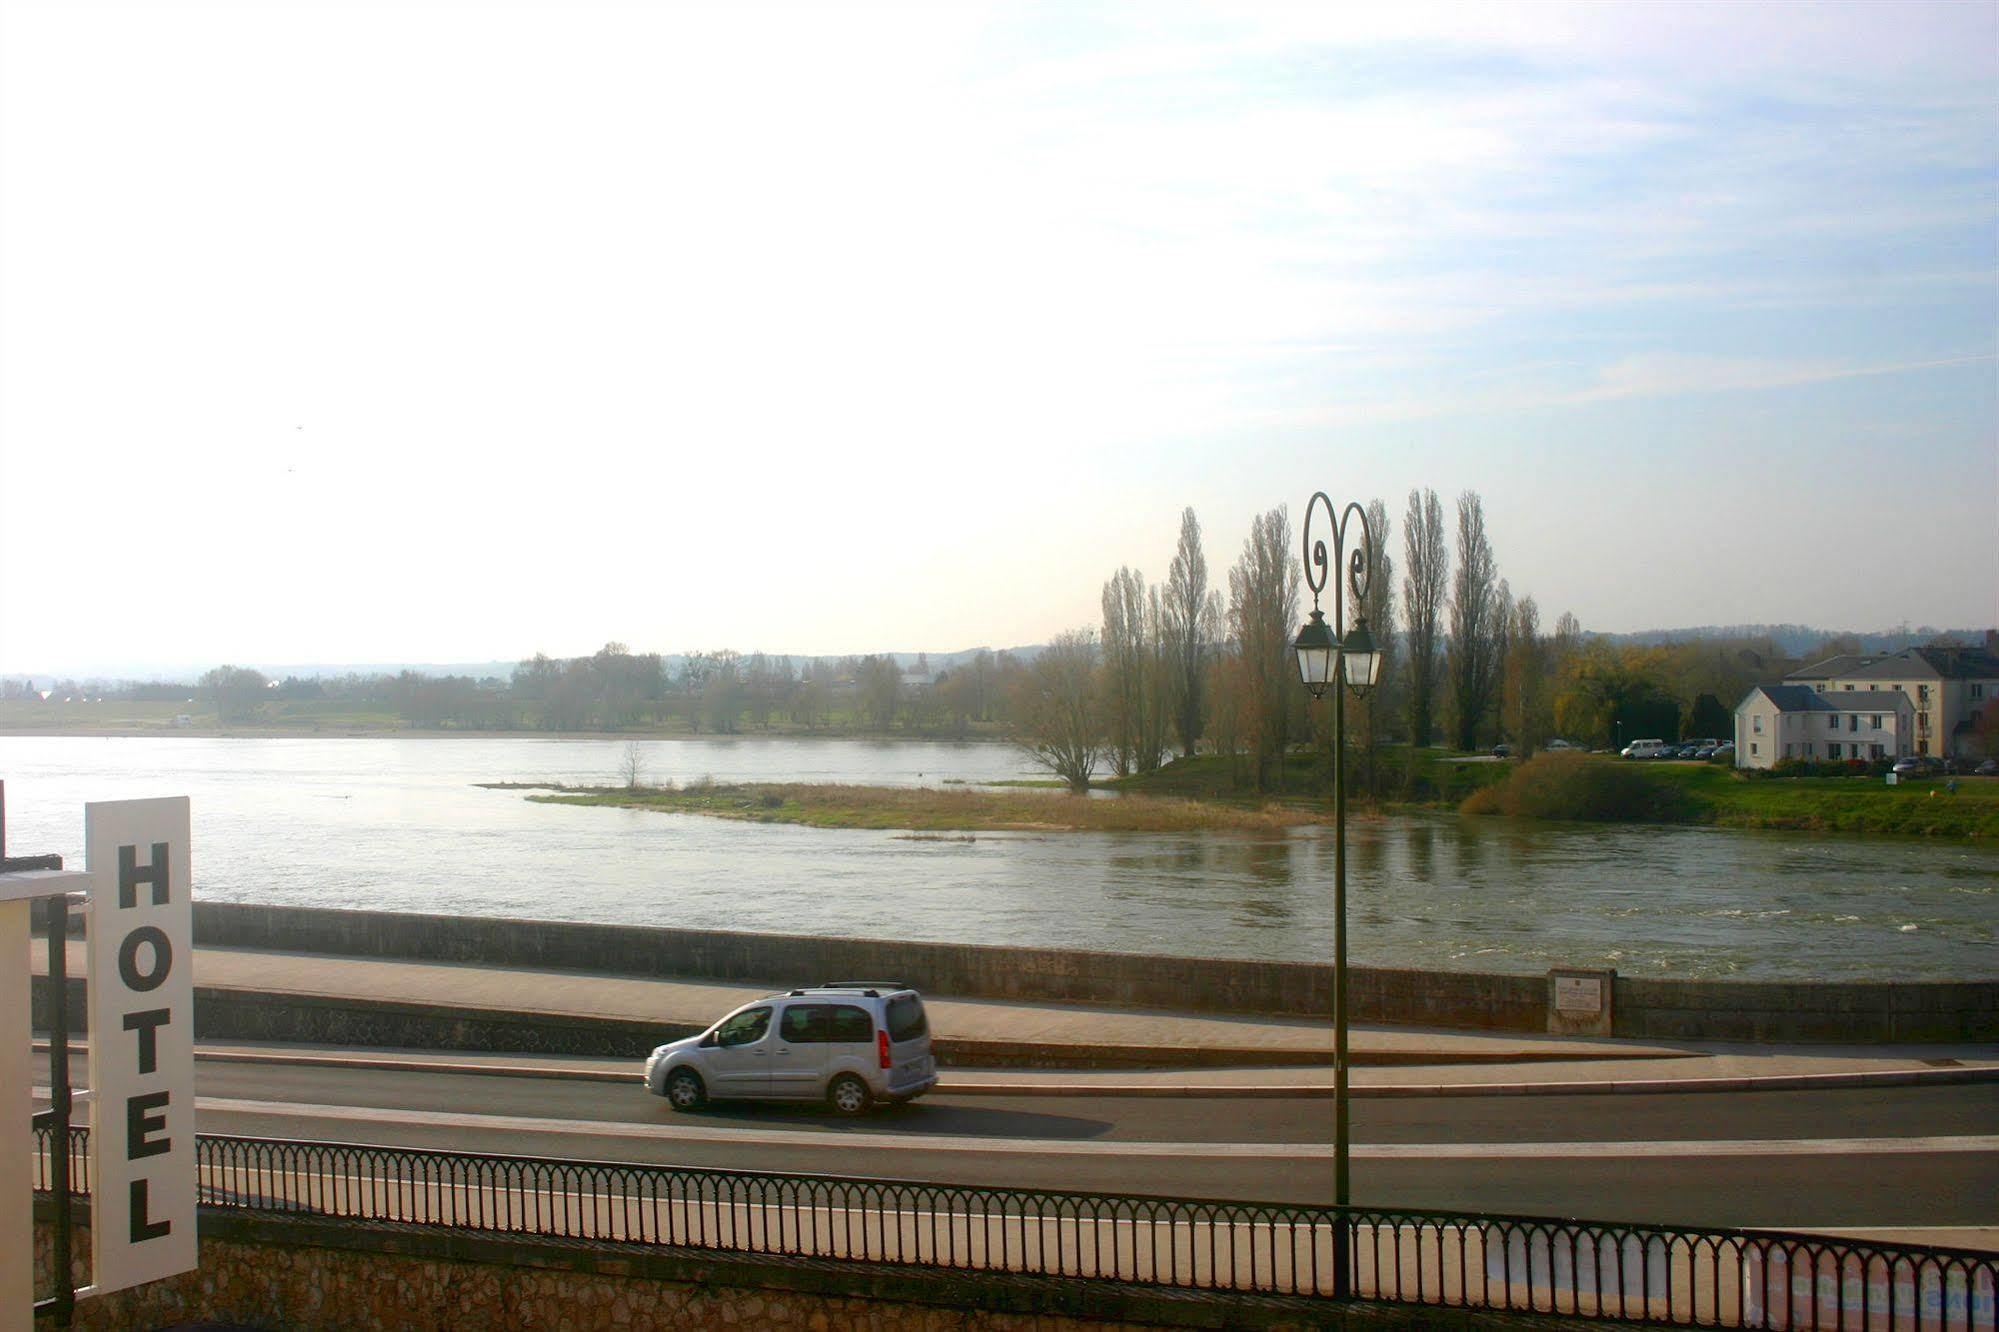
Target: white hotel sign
{"x":141,"y":1041}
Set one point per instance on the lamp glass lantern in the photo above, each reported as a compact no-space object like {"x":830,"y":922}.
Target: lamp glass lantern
{"x":1360,"y":658}
{"x":1317,"y":650}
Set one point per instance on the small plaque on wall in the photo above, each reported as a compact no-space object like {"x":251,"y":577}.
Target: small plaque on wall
{"x":1579,"y":1000}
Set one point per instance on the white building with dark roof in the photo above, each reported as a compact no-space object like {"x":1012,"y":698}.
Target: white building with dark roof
{"x":1948,"y":687}
{"x":1796,"y":721}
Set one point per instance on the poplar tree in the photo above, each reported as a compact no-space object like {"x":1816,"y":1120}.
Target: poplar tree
{"x":1425,"y":577}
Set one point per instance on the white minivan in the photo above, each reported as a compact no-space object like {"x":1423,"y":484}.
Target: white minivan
{"x":851,"y":1044}
{"x":1643,"y":749}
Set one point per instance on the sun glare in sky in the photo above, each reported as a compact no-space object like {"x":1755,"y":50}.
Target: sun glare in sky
{"x":340,"y":332}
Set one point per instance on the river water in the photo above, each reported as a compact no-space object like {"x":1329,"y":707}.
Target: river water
{"x":397,"y":824}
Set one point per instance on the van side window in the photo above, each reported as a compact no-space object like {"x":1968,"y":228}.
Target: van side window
{"x":848,"y":1025}
{"x":745,"y":1028}
{"x":803,"y":1024}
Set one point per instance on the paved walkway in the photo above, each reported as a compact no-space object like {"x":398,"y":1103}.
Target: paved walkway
{"x":1422,"y":1059}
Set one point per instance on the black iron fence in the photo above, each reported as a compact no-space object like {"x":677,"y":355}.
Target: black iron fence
{"x":1697,"y":1276}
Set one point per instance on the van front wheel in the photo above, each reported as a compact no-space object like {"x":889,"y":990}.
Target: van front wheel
{"x":684,"y":1090}
{"x":849,"y":1096}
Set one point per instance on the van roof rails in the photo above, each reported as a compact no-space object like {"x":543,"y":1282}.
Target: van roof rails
{"x":864,"y":985}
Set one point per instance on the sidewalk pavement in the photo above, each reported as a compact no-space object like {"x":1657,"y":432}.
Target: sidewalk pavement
{"x":1387,"y":1060}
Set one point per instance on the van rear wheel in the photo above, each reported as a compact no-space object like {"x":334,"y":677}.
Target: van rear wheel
{"x":849,"y":1096}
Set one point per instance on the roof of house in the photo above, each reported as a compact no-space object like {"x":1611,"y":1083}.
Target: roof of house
{"x":1921,"y":663}
{"x":1844,"y":664}
{"x":1804,"y":698}
{"x":1941,"y":663}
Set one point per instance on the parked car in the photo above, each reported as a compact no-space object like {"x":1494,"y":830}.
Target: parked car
{"x":1706,"y":751}
{"x":851,"y":1044}
{"x":1989,"y":768}
{"x":1640,"y":749}
{"x":1725,"y":750}
{"x":1502,"y":750}
{"x":1558,"y":744}
{"x":1915,"y":765}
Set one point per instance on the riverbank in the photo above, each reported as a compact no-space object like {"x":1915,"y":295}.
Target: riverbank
{"x":1609,"y":790}
{"x":1576,"y":787}
{"x":923,"y":810}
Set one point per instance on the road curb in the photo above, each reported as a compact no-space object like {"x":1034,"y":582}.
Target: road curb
{"x":1381,"y":1091}
{"x":1905,"y":1077}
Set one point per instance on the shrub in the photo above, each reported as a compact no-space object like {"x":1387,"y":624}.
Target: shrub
{"x":1793,"y":767}
{"x":1576,"y":786}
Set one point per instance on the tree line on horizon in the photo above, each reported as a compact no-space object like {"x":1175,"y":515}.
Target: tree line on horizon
{"x":1190,"y":665}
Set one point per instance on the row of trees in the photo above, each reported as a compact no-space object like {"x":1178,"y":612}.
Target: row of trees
{"x":1468,"y":663}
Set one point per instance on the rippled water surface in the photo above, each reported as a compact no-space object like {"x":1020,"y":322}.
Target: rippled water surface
{"x":396,"y":824}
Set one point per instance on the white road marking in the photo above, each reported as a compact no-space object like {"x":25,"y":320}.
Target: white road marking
{"x":697,"y":1133}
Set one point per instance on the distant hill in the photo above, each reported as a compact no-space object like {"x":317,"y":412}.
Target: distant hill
{"x":1801,"y":640}
{"x":478,"y":670}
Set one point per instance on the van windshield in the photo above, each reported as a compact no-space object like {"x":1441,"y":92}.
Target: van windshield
{"x":906,"y":1021}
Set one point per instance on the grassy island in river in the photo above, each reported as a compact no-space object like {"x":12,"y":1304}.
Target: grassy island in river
{"x":924,"y":809}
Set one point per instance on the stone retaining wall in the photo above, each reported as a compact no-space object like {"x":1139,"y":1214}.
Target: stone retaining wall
{"x":1644,"y":1009}
{"x":322,"y":1275}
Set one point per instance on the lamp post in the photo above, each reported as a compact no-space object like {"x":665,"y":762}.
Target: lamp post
{"x":1328,"y":658}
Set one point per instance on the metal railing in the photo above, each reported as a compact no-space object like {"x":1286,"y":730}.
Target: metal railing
{"x":1685,"y":1275}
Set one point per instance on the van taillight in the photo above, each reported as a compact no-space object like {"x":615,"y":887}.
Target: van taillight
{"x":881,"y":1047}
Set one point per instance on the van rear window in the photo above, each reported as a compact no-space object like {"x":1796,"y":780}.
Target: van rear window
{"x":906,"y":1021}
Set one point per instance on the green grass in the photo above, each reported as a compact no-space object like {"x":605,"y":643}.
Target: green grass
{"x":927,"y":810}
{"x":1923,"y":808}
{"x":83,"y":718}
{"x":1432,"y":777}
{"x":1582,"y":787}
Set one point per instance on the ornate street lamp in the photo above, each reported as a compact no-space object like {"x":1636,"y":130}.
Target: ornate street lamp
{"x":1327,"y":658}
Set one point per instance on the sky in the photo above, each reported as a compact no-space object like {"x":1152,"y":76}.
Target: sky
{"x":453,"y":332}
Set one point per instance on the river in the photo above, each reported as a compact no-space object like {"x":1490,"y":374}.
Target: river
{"x":395,"y":823}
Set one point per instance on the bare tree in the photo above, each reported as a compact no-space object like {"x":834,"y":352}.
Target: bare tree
{"x":1187,"y":627}
{"x":1263,"y":613}
{"x":1426,"y":575}
{"x":1523,"y":693}
{"x":1157,"y":691}
{"x":236,"y":691}
{"x":632,"y":765}
{"x":1057,"y":708}
{"x":1478,"y":631}
{"x":1380,"y":611}
{"x":1123,"y":644}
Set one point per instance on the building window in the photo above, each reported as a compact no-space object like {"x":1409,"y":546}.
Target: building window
{"x":1853,"y":722}
{"x":1923,"y":695}
{"x":1820,"y":688}
{"x":1832,"y":750}
{"x":1756,"y":723}
{"x":1876,"y":749}
{"x":1832,"y":722}
{"x":1875,"y":721}
{"x":1978,"y":691}
{"x":1849,"y":689}
{"x":1753,"y":747}
{"x":1923,"y":745}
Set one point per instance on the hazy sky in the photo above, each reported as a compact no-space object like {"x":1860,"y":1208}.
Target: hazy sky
{"x":346,"y":331}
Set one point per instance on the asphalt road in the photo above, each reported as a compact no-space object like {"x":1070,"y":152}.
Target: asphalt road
{"x":1850,"y":1157}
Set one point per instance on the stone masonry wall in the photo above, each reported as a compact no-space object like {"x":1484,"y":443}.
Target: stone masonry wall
{"x":1646,"y":1009}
